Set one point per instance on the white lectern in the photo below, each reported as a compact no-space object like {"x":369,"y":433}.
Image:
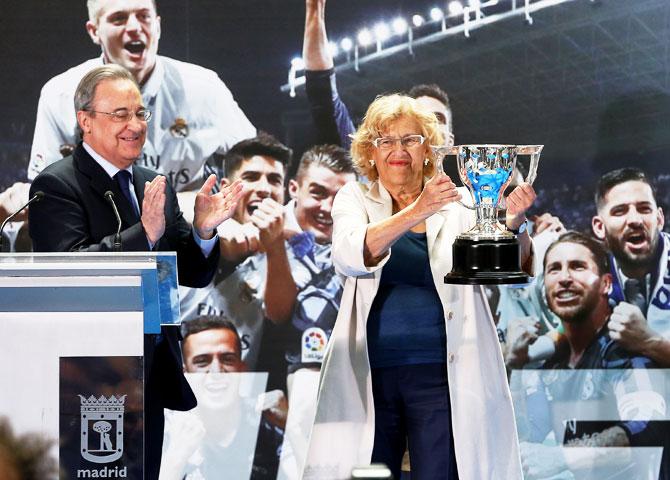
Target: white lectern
{"x":71,"y":352}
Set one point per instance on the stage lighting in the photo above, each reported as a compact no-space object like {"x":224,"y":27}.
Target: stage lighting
{"x":526,"y":11}
{"x":455,"y":8}
{"x":436,"y":14}
{"x":382,"y":32}
{"x":450,"y":16}
{"x":399,"y":26}
{"x":364,"y":37}
{"x":418,"y":20}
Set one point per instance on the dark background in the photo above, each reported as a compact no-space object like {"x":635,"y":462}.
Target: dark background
{"x":588,"y":79}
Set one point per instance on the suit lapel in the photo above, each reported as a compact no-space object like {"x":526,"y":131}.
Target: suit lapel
{"x":101,"y":182}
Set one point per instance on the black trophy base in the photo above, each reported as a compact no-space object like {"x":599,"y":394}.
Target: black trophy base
{"x":486,"y":262}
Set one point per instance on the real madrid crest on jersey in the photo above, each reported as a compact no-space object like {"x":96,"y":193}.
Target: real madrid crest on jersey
{"x":179,"y":129}
{"x":102,"y":428}
{"x":66,"y":149}
{"x":313,"y":345}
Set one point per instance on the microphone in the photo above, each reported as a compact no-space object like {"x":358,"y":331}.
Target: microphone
{"x":39,"y":195}
{"x":117,"y":236}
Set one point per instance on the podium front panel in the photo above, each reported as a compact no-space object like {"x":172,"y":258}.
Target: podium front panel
{"x":71,"y":353}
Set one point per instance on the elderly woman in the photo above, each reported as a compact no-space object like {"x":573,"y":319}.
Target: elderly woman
{"x":411,"y":360}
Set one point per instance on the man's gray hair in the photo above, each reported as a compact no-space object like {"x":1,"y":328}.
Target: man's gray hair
{"x":85,"y":93}
{"x":83,"y":96}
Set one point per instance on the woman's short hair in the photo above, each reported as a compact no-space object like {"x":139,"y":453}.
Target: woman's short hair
{"x":384,"y":111}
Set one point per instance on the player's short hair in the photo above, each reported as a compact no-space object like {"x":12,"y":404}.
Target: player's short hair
{"x":262,"y":144}
{"x":94,"y":7}
{"x":210,"y":322}
{"x":430,"y":90}
{"x":433,"y":90}
{"x":616,"y":177}
{"x":596,"y":248}
{"x":333,"y":157}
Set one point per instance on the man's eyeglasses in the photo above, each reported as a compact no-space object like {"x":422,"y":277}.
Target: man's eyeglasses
{"x":125,"y":115}
{"x":408,"y":141}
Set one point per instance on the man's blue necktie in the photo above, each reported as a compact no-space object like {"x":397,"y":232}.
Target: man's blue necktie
{"x":123,"y":179}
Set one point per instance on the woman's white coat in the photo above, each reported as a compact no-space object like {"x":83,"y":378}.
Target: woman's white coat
{"x":483,"y":422}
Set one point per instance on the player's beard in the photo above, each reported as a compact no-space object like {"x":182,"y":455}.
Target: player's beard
{"x":633,"y":262}
{"x":578,"y":314}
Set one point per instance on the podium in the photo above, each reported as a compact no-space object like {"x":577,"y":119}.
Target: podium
{"x":72,"y":331}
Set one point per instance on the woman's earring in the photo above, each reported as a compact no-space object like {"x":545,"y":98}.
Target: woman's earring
{"x":372,"y":163}
{"x":426,"y":162}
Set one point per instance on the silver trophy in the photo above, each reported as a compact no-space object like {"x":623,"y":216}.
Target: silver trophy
{"x":488,"y":253}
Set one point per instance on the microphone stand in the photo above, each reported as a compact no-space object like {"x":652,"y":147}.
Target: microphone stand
{"x":35,"y":198}
{"x":117,"y":236}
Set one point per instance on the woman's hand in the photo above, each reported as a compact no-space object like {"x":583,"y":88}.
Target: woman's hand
{"x":436,"y":193}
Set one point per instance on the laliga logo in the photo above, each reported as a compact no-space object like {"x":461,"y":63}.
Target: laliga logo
{"x":313,"y":345}
{"x":102,"y":428}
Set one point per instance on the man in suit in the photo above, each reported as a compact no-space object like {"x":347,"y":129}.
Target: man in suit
{"x":196,"y":117}
{"x":76,"y":215}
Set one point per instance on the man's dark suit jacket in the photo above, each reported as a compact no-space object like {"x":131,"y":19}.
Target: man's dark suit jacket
{"x":75,"y":216}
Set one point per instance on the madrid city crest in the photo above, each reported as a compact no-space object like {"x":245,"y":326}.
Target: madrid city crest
{"x":102,"y":428}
